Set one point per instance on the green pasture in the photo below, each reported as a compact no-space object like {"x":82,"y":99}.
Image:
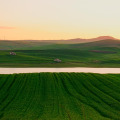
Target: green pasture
{"x":41,"y":54}
{"x":69,"y":57}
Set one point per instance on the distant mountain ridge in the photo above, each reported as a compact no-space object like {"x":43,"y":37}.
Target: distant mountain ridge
{"x":53,"y":44}
{"x":105,"y":38}
{"x":68,"y":41}
{"x":75,"y":39}
{"x":93,"y":39}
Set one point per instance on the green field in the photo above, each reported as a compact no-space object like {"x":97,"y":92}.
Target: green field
{"x":69,"y":57}
{"x":34,"y":54}
{"x":60,"y":96}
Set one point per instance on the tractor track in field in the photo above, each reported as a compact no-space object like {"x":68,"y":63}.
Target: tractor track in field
{"x":66,"y":111}
{"x":7,"y":91}
{"x":7,"y":95}
{"x":5,"y":81}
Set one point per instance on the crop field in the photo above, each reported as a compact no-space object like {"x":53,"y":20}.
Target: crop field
{"x":60,"y":96}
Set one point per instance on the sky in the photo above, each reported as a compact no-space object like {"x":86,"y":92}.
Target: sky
{"x":59,"y":19}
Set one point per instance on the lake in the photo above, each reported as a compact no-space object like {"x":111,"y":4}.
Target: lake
{"x":78,"y":69}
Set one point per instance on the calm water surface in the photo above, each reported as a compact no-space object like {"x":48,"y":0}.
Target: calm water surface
{"x":78,"y":69}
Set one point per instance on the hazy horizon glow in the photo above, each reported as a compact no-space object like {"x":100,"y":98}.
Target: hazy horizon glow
{"x":59,"y":19}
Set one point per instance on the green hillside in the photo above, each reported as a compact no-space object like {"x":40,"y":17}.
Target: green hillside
{"x":23,"y":45}
{"x":69,"y":57}
{"x":105,"y":53}
{"x":60,"y":96}
{"x":52,"y":44}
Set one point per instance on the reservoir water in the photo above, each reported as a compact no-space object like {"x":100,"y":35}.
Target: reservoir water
{"x":77,"y":69}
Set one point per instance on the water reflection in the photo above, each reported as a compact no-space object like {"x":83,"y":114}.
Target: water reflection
{"x":79,"y":69}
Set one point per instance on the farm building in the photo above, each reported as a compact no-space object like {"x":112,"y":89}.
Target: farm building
{"x":57,"y":60}
{"x":12,"y":53}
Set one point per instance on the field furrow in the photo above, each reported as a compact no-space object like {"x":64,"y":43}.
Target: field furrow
{"x":60,"y":96}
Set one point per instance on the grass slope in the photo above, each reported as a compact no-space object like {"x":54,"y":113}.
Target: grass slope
{"x":60,"y":96}
{"x":72,"y":55}
{"x":69,"y":57}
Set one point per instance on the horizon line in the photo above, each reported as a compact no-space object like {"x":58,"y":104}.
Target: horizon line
{"x":109,"y":37}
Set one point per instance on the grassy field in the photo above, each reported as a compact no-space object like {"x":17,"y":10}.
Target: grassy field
{"x":60,"y":96}
{"x":69,"y":57}
{"x":72,"y":55}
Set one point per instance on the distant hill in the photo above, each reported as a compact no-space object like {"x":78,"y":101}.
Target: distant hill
{"x":105,"y":43}
{"x":79,"y":40}
{"x":76,"y":40}
{"x":56,"y":44}
{"x":69,"y":41}
{"x":104,"y":38}
{"x":110,"y":45}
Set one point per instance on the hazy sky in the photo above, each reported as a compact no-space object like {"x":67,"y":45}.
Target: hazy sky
{"x":59,"y":19}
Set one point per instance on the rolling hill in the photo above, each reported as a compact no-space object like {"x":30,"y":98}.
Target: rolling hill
{"x":103,"y":44}
{"x":102,"y":53}
{"x":47,"y":44}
